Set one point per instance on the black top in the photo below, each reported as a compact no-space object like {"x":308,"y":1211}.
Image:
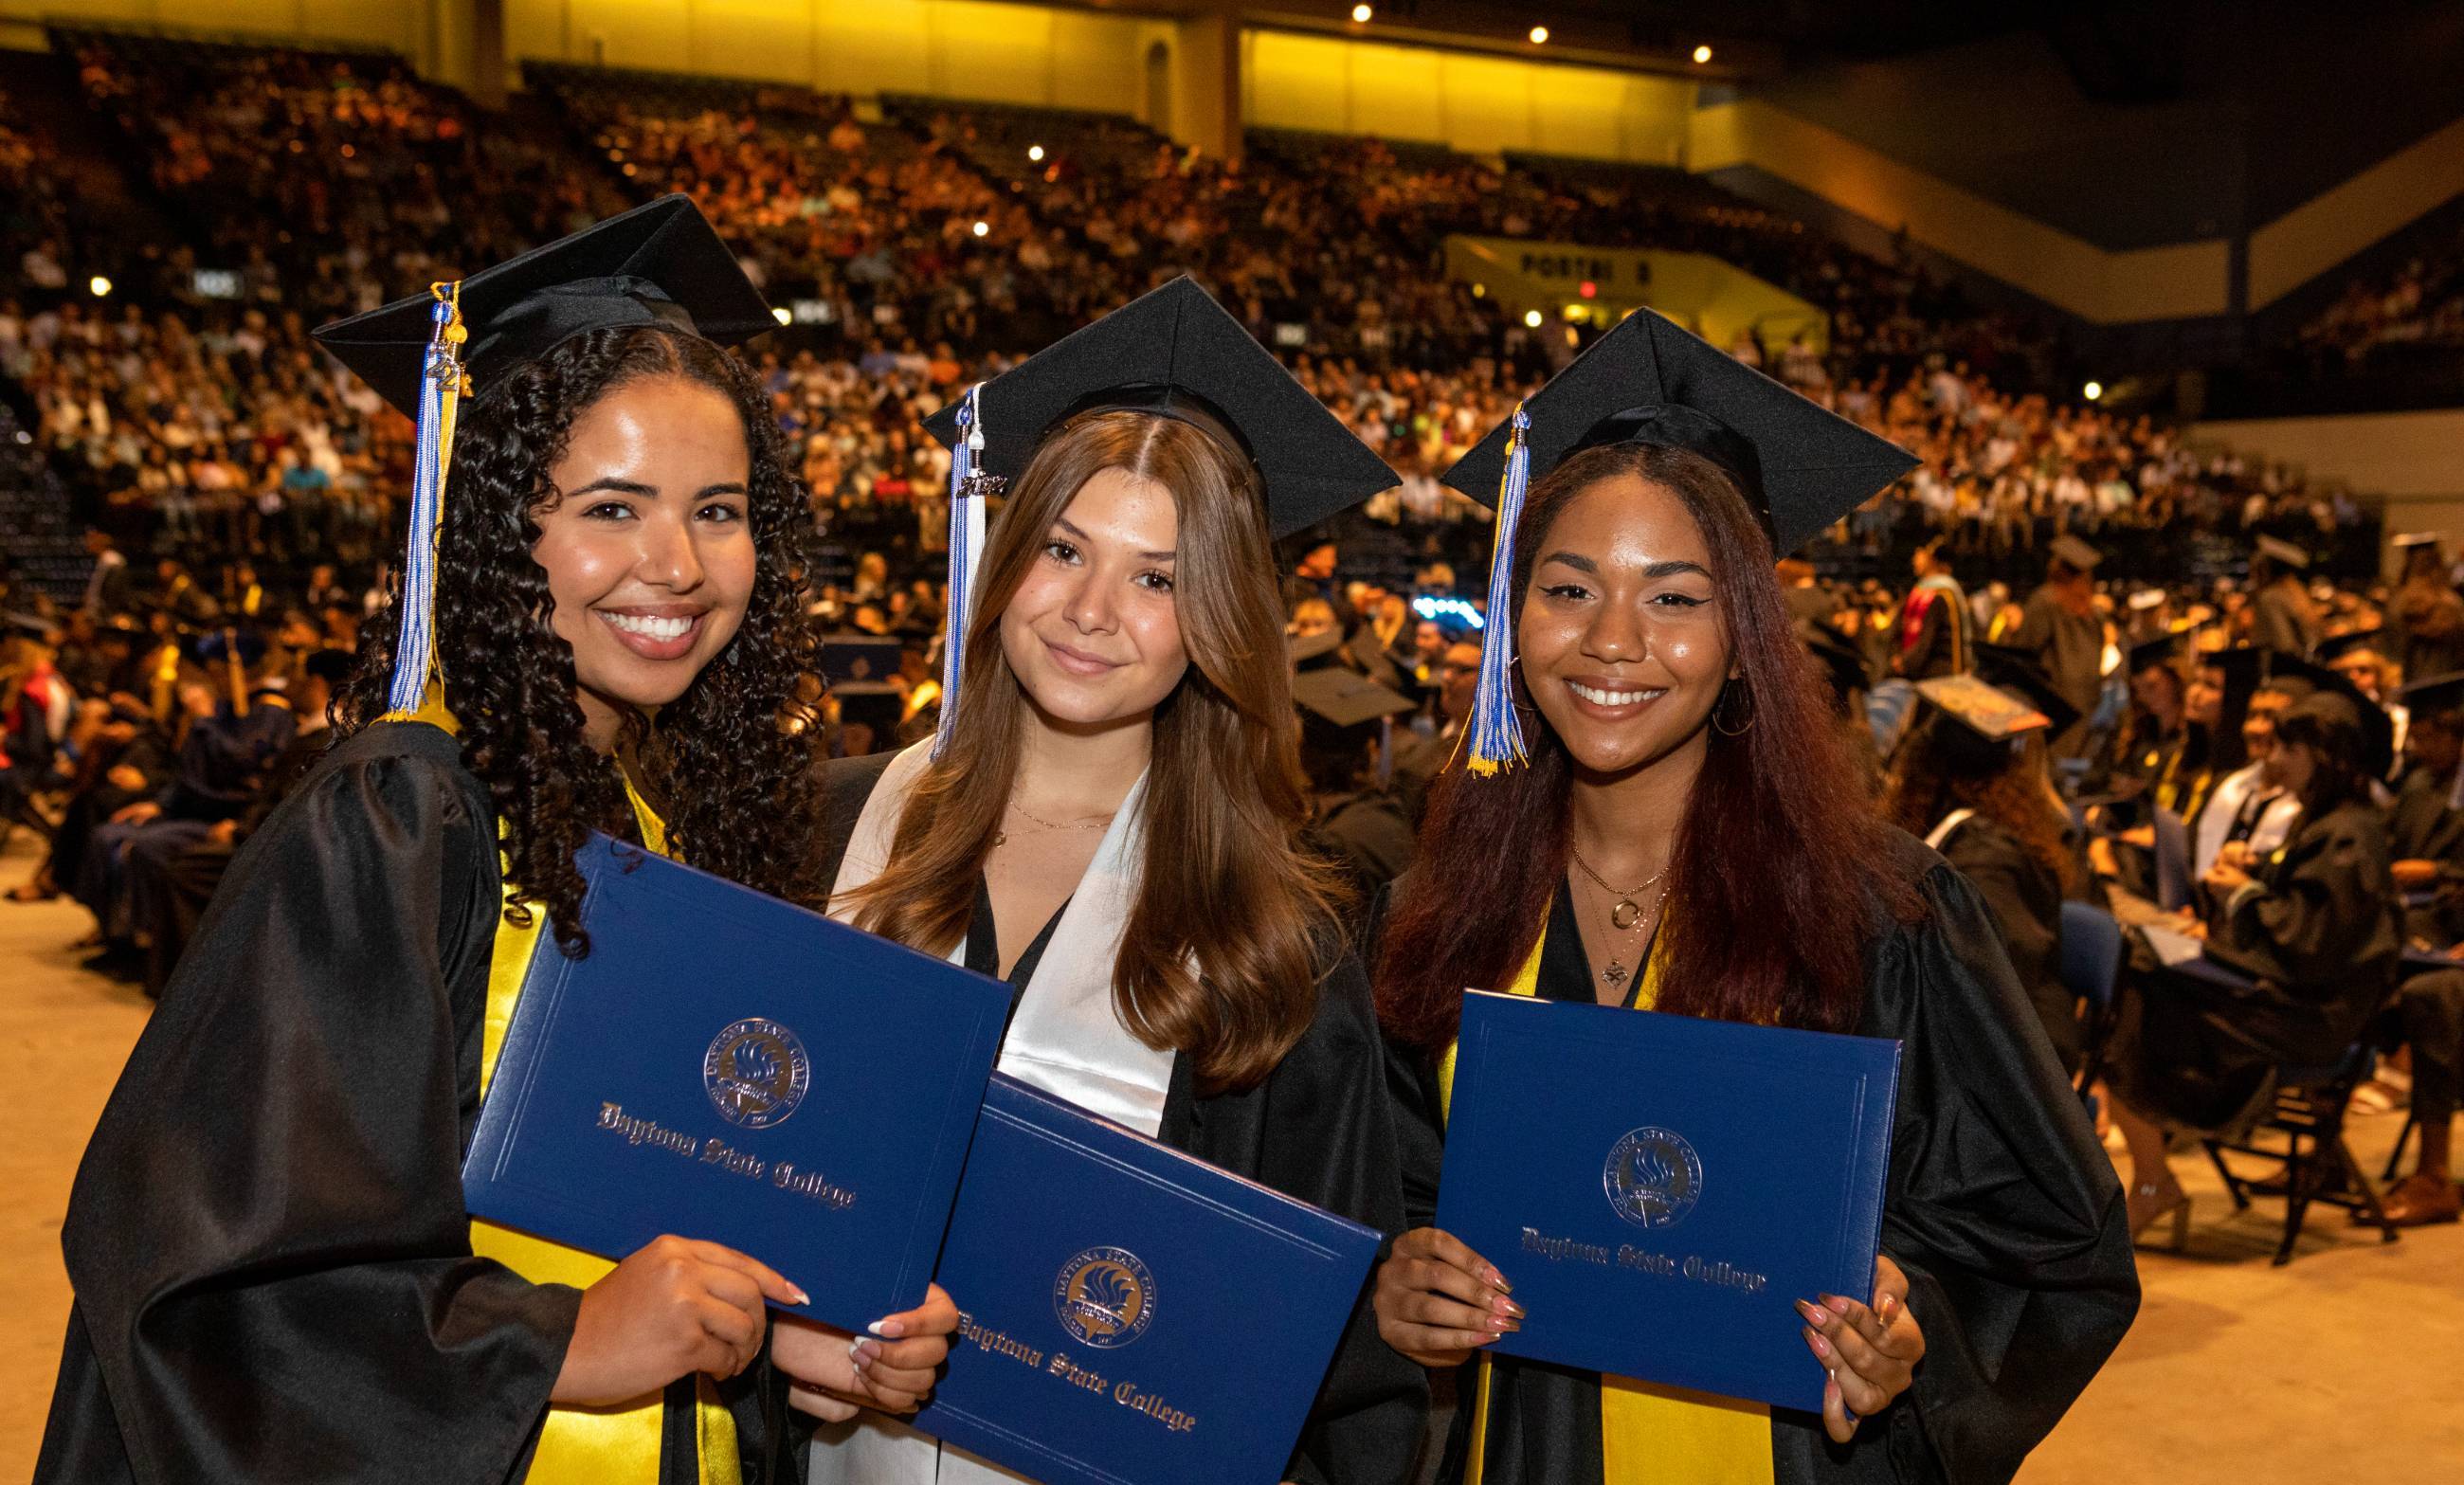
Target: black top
{"x":2001,"y":1208}
{"x":1319,"y":1128}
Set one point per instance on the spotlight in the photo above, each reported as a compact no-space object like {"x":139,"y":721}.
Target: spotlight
{"x":1532,"y":317}
{"x":1361,"y":14}
{"x":781,"y":316}
{"x":101,"y":286}
{"x":1701,"y":55}
{"x":1035,"y":152}
{"x":2093,"y":390}
{"x":984,"y":228}
{"x":1539,"y":35}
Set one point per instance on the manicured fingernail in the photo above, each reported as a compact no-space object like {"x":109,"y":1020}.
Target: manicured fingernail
{"x":1499,"y":1280}
{"x":1836,"y":1302}
{"x":863,"y":1352}
{"x":1820,"y":1343}
{"x":1815,"y":1314}
{"x":802,"y":1297}
{"x":855,"y":1349}
{"x":1501,"y":1305}
{"x":1496,"y":1325}
{"x":891,"y":1329}
{"x":1517,"y":1311}
{"x":1890,"y":1303}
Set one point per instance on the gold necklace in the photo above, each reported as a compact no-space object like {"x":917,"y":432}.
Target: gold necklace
{"x":1626,"y":916}
{"x":1090,"y":823}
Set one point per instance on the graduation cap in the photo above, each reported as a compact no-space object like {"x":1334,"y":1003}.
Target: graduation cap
{"x":1800,"y":466}
{"x":1841,"y":665}
{"x":2439,"y":693}
{"x":2157,"y":651}
{"x":2408,"y":540}
{"x":1173,"y":353}
{"x":2335,"y":646}
{"x":1993,"y":714}
{"x":1311,"y":651}
{"x":2378,"y":728}
{"x":2076,"y":553}
{"x":660,"y":264}
{"x":2016,"y":672}
{"x":2284,"y":552}
{"x":1339,"y":698}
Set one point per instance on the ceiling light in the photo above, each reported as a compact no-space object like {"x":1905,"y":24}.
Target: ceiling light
{"x":1701,"y":55}
{"x":1539,"y":35}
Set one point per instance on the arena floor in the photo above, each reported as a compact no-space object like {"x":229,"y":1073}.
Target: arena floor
{"x":2342,"y":1366}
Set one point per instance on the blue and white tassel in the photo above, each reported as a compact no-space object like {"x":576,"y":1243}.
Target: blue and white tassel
{"x":1496,"y":731}
{"x":966,"y":550}
{"x":441,"y":385}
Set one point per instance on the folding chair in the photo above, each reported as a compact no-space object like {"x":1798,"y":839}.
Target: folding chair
{"x":2310,"y":1104}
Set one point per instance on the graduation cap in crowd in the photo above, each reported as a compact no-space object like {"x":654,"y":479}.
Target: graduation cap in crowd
{"x":2077,"y":554}
{"x":1341,"y":699}
{"x":1313,"y":650}
{"x":2335,"y":646}
{"x":657,"y":265}
{"x":2160,"y":650}
{"x":1800,"y":466}
{"x":1173,"y":352}
{"x":2015,"y":673}
{"x":2284,"y":554}
{"x":1841,"y":665}
{"x":2435,"y":696}
{"x":1985,"y":711}
{"x":2378,"y":728}
{"x":2408,"y":540}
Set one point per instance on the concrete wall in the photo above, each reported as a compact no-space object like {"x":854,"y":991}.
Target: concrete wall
{"x":2415,"y":459}
{"x":1477,"y":103}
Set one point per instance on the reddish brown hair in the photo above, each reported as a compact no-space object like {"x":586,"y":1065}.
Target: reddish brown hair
{"x":1778,"y":865}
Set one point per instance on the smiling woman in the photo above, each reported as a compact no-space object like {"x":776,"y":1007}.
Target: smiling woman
{"x":1660,"y":815}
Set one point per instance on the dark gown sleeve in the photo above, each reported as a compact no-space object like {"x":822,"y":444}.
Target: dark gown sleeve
{"x":271,"y":1259}
{"x":2025,"y":900}
{"x":2001,"y":1208}
{"x":2324,"y":919}
{"x":1320,"y":1128}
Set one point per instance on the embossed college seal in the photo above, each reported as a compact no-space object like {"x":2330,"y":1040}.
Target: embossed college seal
{"x":1653,"y":1177}
{"x":1104,"y":1297}
{"x":756,"y":1073}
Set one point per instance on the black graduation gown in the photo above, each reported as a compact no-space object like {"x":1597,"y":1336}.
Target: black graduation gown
{"x":1367,"y":833}
{"x":272,"y":1263}
{"x":2319,"y":944}
{"x":2025,"y":899}
{"x":2000,"y":1208}
{"x":2421,"y":827}
{"x":2070,"y":649}
{"x":1319,"y":1128}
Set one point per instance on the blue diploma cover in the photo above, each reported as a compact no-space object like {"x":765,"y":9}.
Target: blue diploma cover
{"x":1132,"y":1316}
{"x":729,"y":1068}
{"x":1660,"y":1188}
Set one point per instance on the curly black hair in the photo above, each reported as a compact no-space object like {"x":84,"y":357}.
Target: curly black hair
{"x":731,"y":759}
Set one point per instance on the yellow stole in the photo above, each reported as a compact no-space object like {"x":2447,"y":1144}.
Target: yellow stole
{"x":1650,"y":1434}
{"x":619,"y":1445}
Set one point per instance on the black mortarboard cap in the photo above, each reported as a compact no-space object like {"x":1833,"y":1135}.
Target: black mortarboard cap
{"x":2076,"y":553}
{"x":1340,"y":698}
{"x":2017,"y":672}
{"x":2335,"y":646}
{"x":2155,"y":652}
{"x":1310,"y":650}
{"x":2435,"y":694}
{"x":2378,"y":728}
{"x":1176,"y":353}
{"x":1994,"y":714}
{"x":660,"y":264}
{"x":1801,"y":466}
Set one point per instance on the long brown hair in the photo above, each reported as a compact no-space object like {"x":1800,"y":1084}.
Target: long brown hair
{"x":1943,"y":767}
{"x":1778,"y":862}
{"x":1220,"y":959}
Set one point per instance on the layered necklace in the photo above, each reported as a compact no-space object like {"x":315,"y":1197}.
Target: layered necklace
{"x":1627,"y":916}
{"x":1090,"y":823}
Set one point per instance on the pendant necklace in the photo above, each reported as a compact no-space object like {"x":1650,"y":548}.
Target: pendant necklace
{"x":1626,"y":916}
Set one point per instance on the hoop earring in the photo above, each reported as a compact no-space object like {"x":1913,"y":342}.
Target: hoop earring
{"x":1739,"y":689}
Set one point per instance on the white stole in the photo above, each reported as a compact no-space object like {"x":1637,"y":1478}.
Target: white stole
{"x":1065,"y":1039}
{"x":1948,"y":827}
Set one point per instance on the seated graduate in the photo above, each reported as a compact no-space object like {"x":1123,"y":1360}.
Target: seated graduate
{"x":1658,"y":811}
{"x":2250,"y":808}
{"x":1348,"y":735}
{"x":2314,"y":927}
{"x":2426,"y":827}
{"x":276,"y":1276}
{"x":1111,"y":818}
{"x":1974,"y":778}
